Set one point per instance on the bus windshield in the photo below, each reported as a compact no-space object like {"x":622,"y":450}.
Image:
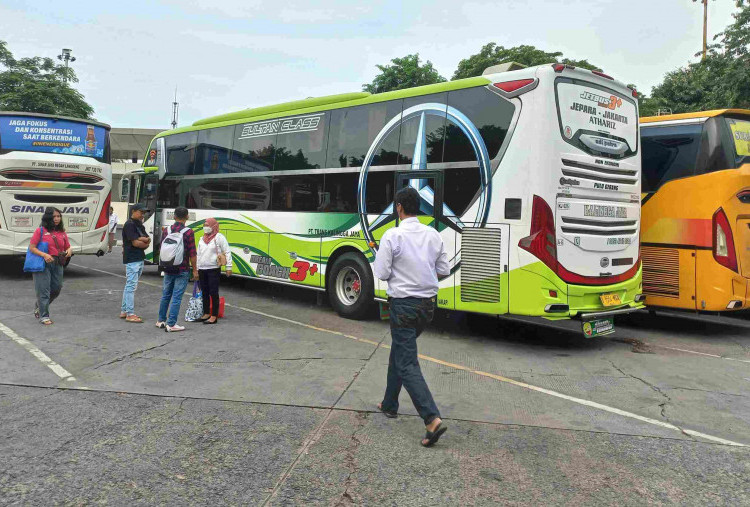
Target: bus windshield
{"x":53,"y":135}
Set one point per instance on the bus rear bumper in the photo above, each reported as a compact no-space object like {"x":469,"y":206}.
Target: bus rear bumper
{"x":537,"y":291}
{"x":91,"y":242}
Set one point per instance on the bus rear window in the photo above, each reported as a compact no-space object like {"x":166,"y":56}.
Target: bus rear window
{"x":669,"y":153}
{"x":52,"y":135}
{"x":741,"y":136}
{"x":597,"y":120}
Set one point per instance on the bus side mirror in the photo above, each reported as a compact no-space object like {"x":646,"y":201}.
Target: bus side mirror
{"x":125,"y":190}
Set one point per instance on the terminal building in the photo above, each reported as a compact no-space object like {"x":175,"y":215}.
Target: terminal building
{"x":128,"y":146}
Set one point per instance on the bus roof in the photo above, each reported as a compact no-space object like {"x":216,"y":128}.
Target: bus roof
{"x":697,"y":114}
{"x":341,"y":100}
{"x":56,"y":117}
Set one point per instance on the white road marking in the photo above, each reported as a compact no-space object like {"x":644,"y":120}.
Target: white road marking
{"x":34,"y":350}
{"x":699,"y":353}
{"x":580,"y":401}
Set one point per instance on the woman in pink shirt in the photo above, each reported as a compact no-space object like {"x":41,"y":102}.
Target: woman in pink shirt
{"x":48,"y":283}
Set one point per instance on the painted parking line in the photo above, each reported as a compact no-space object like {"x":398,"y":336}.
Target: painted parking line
{"x":698,"y":353}
{"x":500,"y":378}
{"x":34,"y":350}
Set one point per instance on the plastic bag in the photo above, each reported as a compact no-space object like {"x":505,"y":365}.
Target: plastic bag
{"x":195,"y":306}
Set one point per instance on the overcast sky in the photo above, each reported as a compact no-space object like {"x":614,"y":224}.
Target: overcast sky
{"x":227,"y":55}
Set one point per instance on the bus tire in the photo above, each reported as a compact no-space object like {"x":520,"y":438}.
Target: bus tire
{"x":351,"y":288}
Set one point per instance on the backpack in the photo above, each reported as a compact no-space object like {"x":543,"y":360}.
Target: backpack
{"x":172,"y":250}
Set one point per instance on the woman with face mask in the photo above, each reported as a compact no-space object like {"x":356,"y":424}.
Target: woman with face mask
{"x":213,"y":253}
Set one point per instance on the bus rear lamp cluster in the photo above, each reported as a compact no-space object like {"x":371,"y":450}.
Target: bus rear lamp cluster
{"x":602,"y":74}
{"x":634,"y":91}
{"x":723,"y":241}
{"x":104,"y":215}
{"x":559,"y":67}
{"x":734,"y":305}
{"x":541,"y":242}
{"x":511,"y":86}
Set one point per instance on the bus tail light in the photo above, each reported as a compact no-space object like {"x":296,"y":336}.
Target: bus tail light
{"x":104,"y":215}
{"x":723,"y":241}
{"x":542,"y":241}
{"x":602,"y":74}
{"x":511,"y":86}
{"x":559,"y":67}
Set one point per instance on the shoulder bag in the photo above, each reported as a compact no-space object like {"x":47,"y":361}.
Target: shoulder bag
{"x":35,"y":263}
{"x":62,"y":259}
{"x":221,"y":259}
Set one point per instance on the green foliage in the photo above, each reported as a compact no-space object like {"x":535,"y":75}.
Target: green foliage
{"x":720,"y":81}
{"x":404,"y":72}
{"x":492,"y":54}
{"x":37,"y":85}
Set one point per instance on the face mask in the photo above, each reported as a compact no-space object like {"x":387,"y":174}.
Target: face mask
{"x":207,"y":230}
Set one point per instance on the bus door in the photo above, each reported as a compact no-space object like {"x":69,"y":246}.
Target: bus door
{"x":432,"y":212}
{"x":429,"y":184}
{"x":149,"y":186}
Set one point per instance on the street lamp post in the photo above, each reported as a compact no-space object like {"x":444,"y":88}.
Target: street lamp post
{"x":65,"y":56}
{"x":705,"y":25}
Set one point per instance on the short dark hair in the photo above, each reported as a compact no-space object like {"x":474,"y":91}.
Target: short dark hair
{"x":48,"y":220}
{"x":181,"y":212}
{"x":408,"y":198}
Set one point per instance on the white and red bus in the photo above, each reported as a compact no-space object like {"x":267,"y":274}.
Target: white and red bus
{"x":48,"y":160}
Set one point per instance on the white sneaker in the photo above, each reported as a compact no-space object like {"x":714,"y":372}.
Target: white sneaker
{"x":161,"y":325}
{"x":174,"y":329}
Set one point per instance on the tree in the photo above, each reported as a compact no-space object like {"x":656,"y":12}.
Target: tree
{"x":720,"y":81}
{"x":38,"y":85}
{"x":492,"y":54}
{"x":405,"y":72}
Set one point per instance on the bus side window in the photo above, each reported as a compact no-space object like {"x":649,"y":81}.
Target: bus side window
{"x":669,"y":153}
{"x":304,"y":149}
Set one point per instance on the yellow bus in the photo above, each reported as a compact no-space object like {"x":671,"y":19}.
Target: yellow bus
{"x":695,"y":217}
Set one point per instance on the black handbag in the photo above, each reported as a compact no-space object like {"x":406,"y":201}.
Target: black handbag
{"x":62,"y":259}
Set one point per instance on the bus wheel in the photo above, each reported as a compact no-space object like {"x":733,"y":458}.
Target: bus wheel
{"x":350,"y":286}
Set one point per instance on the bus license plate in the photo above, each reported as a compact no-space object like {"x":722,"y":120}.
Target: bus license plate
{"x":610,"y":299}
{"x":598,"y":327}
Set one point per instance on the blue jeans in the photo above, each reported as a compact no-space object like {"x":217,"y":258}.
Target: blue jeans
{"x":47,"y":284}
{"x":133,"y":271}
{"x":409,"y":317}
{"x":171,"y":296}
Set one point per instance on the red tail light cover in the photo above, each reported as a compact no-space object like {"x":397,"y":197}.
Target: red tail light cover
{"x":720,"y":222}
{"x":511,"y":86}
{"x":541,"y":242}
{"x":104,"y":215}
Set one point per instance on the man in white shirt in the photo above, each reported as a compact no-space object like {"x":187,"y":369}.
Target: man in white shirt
{"x":411,"y":258}
{"x":112,"y":228}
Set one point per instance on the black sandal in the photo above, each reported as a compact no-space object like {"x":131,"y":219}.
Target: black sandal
{"x":388,"y":413}
{"x":433,"y":436}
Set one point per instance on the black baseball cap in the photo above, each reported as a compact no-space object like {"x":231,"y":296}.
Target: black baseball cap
{"x":140,"y":207}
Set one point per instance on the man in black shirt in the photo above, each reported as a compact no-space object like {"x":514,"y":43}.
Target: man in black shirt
{"x":135,"y":240}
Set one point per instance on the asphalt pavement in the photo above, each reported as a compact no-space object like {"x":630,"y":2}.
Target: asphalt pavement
{"x":276,"y":405}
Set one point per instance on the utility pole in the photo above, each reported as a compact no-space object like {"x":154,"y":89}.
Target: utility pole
{"x":175,"y":109}
{"x":705,"y":26}
{"x":65,"y":56}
